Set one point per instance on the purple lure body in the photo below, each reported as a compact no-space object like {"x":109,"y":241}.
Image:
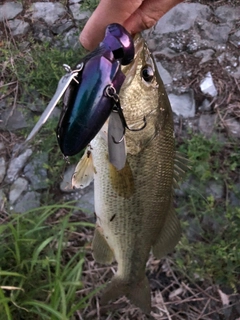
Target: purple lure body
{"x":86,"y":103}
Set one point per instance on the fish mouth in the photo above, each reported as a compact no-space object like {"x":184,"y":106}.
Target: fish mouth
{"x":130,"y":69}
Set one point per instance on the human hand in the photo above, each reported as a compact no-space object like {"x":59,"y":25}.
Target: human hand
{"x":134,"y":15}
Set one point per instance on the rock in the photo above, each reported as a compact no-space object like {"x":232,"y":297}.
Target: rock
{"x":29,"y":201}
{"x":2,"y":146}
{"x":9,"y":10}
{"x":227,"y":13}
{"x":14,"y":120}
{"x":66,"y":184}
{"x":169,"y":53}
{"x":48,"y":11}
{"x":165,"y":75}
{"x":235,"y":38}
{"x":205,"y":55}
{"x":233,"y":127}
{"x":234,"y":196}
{"x":205,"y":106}
{"x":215,"y":189}
{"x":236,"y":73}
{"x":207,"y":123}
{"x":70,"y":39}
{"x":221,"y":57}
{"x":182,"y":17}
{"x":18,"y":27}
{"x":183,"y":105}
{"x":63,"y":26}
{"x":17,"y":188}
{"x":2,"y":169}
{"x":151,"y":43}
{"x":36,"y":173}
{"x":217,"y":33}
{"x":86,"y":203}
{"x":207,"y":86}
{"x":42,"y":33}
{"x":2,"y":198}
{"x":16,"y":165}
{"x":77,"y":13}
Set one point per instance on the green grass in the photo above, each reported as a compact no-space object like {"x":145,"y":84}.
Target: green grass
{"x":210,"y":247}
{"x":39,"y":277}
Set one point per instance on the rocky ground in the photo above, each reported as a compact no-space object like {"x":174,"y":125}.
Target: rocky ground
{"x":196,"y":46}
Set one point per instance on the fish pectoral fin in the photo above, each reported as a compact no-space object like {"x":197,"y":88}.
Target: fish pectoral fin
{"x":102,"y":253}
{"x":84,"y":171}
{"x":139,"y":294}
{"x":169,"y":235}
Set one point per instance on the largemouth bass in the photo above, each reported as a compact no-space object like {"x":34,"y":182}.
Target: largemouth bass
{"x":134,"y":205}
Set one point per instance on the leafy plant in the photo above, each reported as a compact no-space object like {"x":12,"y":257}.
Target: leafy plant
{"x":38,"y":275}
{"x":210,"y":246}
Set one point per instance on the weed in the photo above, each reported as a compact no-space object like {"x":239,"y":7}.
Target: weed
{"x":90,"y":4}
{"x":38,"y":275}
{"x":210,"y":248}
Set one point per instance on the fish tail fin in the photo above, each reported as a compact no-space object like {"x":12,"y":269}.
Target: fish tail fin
{"x":139,"y":293}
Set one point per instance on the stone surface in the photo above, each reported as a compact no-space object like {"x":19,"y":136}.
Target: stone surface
{"x":29,"y":201}
{"x":86,"y":203}
{"x":207,"y":85}
{"x":205,"y":55}
{"x":235,"y":38}
{"x":48,"y":11}
{"x":207,"y":123}
{"x":2,"y":169}
{"x":71,"y":39}
{"x":233,"y":127}
{"x":165,"y":75}
{"x":217,"y":33}
{"x":13,"y":120}
{"x":18,"y":27}
{"x":227,"y":13}
{"x":215,"y":189}
{"x":16,"y":165}
{"x":64,"y":26}
{"x":183,"y":105}
{"x":234,"y":195}
{"x":36,"y":173}
{"x":42,"y":33}
{"x":17,"y":188}
{"x":77,"y":13}
{"x":2,"y":198}
{"x":182,"y":17}
{"x":2,"y":146}
{"x":205,"y":106}
{"x":10,"y":10}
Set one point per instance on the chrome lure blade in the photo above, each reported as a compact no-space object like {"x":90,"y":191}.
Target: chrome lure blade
{"x":61,"y":88}
{"x":116,"y":151}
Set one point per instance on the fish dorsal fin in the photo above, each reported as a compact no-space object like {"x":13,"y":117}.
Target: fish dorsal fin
{"x":84,"y":172}
{"x":122,"y":180}
{"x":181,"y":166}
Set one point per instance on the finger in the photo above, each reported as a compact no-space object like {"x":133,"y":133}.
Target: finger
{"x":148,"y":14}
{"x":108,"y":11}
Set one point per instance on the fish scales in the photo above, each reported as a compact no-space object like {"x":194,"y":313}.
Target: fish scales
{"x":134,"y":206}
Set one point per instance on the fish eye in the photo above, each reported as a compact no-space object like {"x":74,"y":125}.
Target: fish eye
{"x":147,"y":73}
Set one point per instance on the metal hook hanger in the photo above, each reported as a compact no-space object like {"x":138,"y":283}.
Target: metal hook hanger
{"x":111,"y":92}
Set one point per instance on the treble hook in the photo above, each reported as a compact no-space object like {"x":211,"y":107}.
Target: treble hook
{"x":111,"y":92}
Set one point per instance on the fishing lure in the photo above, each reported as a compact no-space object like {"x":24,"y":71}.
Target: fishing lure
{"x":90,"y":96}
